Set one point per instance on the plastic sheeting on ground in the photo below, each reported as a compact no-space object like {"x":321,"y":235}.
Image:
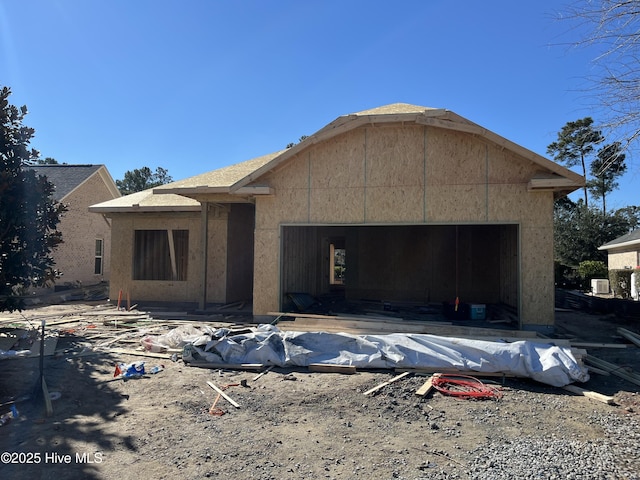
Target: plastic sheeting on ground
{"x":543,"y":362}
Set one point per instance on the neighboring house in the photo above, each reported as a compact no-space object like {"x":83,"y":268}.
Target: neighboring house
{"x":83,"y":257}
{"x":624,"y":251}
{"x":421,"y":205}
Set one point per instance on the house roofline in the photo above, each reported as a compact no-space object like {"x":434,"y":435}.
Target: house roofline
{"x":438,"y":118}
{"x":629,"y":243}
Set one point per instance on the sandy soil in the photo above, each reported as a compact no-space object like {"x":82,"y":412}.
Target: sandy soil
{"x":290,"y":424}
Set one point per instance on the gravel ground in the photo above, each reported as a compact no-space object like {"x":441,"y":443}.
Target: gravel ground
{"x":295,"y":424}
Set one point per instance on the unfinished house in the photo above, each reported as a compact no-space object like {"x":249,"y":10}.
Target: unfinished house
{"x":396,"y":204}
{"x":83,"y":257}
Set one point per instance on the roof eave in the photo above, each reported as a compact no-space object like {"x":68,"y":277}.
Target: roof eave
{"x":630,"y":243}
{"x":145,"y":209}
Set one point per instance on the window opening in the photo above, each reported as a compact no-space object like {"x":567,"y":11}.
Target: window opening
{"x":160,"y":255}
{"x":99,"y":254}
{"x":337,"y":267}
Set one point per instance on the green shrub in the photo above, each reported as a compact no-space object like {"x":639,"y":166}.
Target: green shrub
{"x":590,"y":269}
{"x":620,"y":282}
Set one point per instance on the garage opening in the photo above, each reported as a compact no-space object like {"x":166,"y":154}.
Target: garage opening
{"x":430,"y":266}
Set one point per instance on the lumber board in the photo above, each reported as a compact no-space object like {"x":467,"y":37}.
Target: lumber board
{"x":389,"y":382}
{"x":114,"y":313}
{"x":326,"y":368}
{"x":268,"y":369}
{"x":139,"y":353}
{"x":453,"y":371}
{"x":330,"y":324}
{"x":597,"y":345}
{"x":370,"y":318}
{"x":228,"y":366}
{"x":224,"y":395}
{"x":590,"y":394}
{"x":427,"y":386}
{"x":629,"y":335}
{"x":598,"y":371}
{"x":614,"y":369}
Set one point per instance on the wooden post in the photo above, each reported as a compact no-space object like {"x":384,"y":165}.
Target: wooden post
{"x":204,"y":226}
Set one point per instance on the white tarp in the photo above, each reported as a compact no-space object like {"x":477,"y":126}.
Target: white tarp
{"x":542,"y":362}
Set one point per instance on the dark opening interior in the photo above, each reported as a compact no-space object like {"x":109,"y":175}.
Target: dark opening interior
{"x":425,"y":266}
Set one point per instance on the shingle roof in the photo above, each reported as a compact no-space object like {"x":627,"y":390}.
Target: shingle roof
{"x":629,"y":239}
{"x":146,"y":201}
{"x":65,"y":177}
{"x":222,"y":178}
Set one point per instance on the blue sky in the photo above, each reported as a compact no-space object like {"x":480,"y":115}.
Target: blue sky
{"x":195,"y":85}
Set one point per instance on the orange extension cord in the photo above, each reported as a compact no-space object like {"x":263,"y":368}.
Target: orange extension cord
{"x":465,"y":386}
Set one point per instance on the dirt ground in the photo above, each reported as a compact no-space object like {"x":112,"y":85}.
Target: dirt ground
{"x":290,"y":424}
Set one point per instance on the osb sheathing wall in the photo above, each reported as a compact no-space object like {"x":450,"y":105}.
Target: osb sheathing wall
{"x":123,"y":228}
{"x":75,"y":257}
{"x":409,"y":175}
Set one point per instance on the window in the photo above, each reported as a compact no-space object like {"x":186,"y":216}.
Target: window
{"x":97,"y":269}
{"x":337,"y":267}
{"x":160,"y":255}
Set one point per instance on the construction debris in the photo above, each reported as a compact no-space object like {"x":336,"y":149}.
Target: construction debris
{"x":614,"y":369}
{"x":589,"y":394}
{"x":382,"y":385}
{"x":629,"y":335}
{"x":427,"y":387}
{"x":224,"y":395}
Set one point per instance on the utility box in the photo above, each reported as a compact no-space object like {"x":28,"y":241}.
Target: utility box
{"x":478,"y":312}
{"x":599,"y":286}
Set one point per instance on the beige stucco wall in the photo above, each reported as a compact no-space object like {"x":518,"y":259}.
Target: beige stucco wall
{"x":75,"y":258}
{"x":408,"y":175}
{"x":123,"y":228}
{"x":624,"y":258}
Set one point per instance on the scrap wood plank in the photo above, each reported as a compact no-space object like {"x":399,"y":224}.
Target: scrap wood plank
{"x":389,"y":382}
{"x":224,"y":395}
{"x":629,"y":335}
{"x":327,"y":368}
{"x":114,"y":313}
{"x":139,"y":353}
{"x":590,"y":394}
{"x":228,"y":366}
{"x":428,"y":386}
{"x":597,"y":370}
{"x":614,"y":369}
{"x":267,"y":370}
{"x":596,"y":345}
{"x":453,"y":371}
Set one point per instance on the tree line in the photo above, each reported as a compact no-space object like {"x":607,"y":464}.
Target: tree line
{"x":582,"y":226}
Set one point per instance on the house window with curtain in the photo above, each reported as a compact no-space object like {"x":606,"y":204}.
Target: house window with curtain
{"x":160,"y":255}
{"x":99,"y":254}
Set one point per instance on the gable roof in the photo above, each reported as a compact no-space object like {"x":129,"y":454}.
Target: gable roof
{"x":554,"y":177}
{"x":66,"y":178}
{"x":240,"y":179}
{"x":628,"y":240}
